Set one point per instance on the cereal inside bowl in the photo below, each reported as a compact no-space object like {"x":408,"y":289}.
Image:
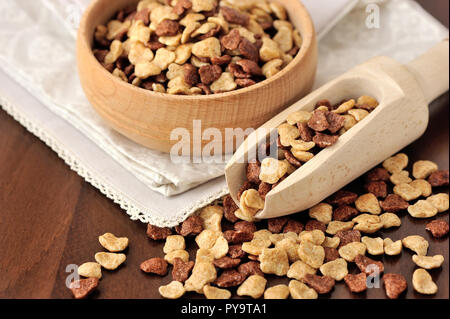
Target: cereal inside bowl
{"x":195,"y":47}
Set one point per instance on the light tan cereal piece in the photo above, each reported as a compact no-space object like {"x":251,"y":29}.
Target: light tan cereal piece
{"x":255,"y":247}
{"x":196,"y":91}
{"x":284,"y":39}
{"x":298,"y":40}
{"x":300,"y":145}
{"x":301,"y":155}
{"x":212,"y":217}
{"x":208,"y":48}
{"x":311,"y":254}
{"x":423,"y":169}
{"x":137,"y":82}
{"x":110,"y":261}
{"x":173,"y":290}
{"x":100,"y":32}
{"x":174,"y":71}
{"x":396,"y":164}
{"x":401,"y":177}
{"x":335,"y":226}
{"x":292,"y":235}
{"x":439,"y":201}
{"x":274,"y":261}
{"x":147,"y":4}
{"x":112,"y":243}
{"x":407,"y":192}
{"x":316,"y":236}
{"x":247,"y":34}
{"x":171,"y":41}
{"x":186,"y":35}
{"x":331,"y":242}
{"x":423,"y":283}
{"x":279,"y":24}
{"x":203,"y":5}
{"x":416,"y":243}
{"x":299,"y":290}
{"x":253,"y":199}
{"x":299,"y":269}
{"x":115,"y":27}
{"x":423,"y":186}
{"x":368,"y":203}
{"x":290,"y":246}
{"x":247,"y":211}
{"x":422,"y":209}
{"x":183,"y":53}
{"x":358,"y":114}
{"x":349,"y":121}
{"x":163,"y":58}
{"x":390,"y":220}
{"x":161,"y":13}
{"x":263,"y":234}
{"x":392,"y":248}
{"x":254,"y":27}
{"x":322,"y":212}
{"x":139,"y":53}
{"x":207,"y":238}
{"x":345,"y":107}
{"x":288,"y":133}
{"x":203,"y":29}
{"x":245,"y":215}
{"x":115,"y":50}
{"x":298,"y":117}
{"x":428,"y":262}
{"x":351,"y":250}
{"x":174,"y":242}
{"x":182,"y":254}
{"x":367,"y":223}
{"x":216,"y":293}
{"x":204,"y":255}
{"x":191,"y":18}
{"x":219,"y":20}
{"x":269,"y":50}
{"x":277,"y":292}
{"x":178,"y":86}
{"x":375,"y":246}
{"x":278,"y":10}
{"x":90,"y":270}
{"x":146,"y":69}
{"x":139,"y":32}
{"x":336,"y":269}
{"x":272,"y":170}
{"x":272,"y":67}
{"x":203,"y":273}
{"x":367,"y":101}
{"x":224,"y":84}
{"x":253,"y":286}
{"x":275,"y":238}
{"x":220,"y":248}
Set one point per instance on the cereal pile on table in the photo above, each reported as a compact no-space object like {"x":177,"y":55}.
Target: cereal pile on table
{"x":300,"y":138}
{"x":314,"y":255}
{"x":193,"y":47}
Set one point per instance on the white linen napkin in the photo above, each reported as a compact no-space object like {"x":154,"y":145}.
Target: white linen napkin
{"x":40,"y":88}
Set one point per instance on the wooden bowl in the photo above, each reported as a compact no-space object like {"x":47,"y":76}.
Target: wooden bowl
{"x":149,"y":118}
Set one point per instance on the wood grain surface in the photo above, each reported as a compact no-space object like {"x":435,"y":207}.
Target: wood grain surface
{"x":51,"y":218}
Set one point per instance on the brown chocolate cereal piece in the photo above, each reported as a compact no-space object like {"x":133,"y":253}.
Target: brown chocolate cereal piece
{"x":229,"y":207}
{"x":344,"y":213}
{"x":378,"y":174}
{"x":245,"y":82}
{"x":205,"y":88}
{"x":227,"y":262}
{"x":223,"y":60}
{"x":321,"y":284}
{"x":318,"y":121}
{"x":378,"y":188}
{"x":394,"y":284}
{"x":234,"y":16}
{"x":143,"y":15}
{"x":250,"y":268}
{"x":439,"y":178}
{"x":154,"y":43}
{"x":158,"y":233}
{"x":155,"y":265}
{"x":335,"y":121}
{"x":394,"y":203}
{"x":263,"y":189}
{"x":83,"y":287}
{"x":235,"y":251}
{"x":238,"y":72}
{"x":293,"y":226}
{"x":238,"y":237}
{"x":167,"y":28}
{"x":324,"y":102}
{"x":190,"y":74}
{"x":306,"y":134}
{"x":363,"y":263}
{"x":348,"y":236}
{"x":181,"y":269}
{"x":249,"y":66}
{"x":193,"y":225}
{"x":342,"y":197}
{"x":292,"y":159}
{"x":315,"y":224}
{"x":275,"y":225}
{"x":325,"y":140}
{"x":210,"y":33}
{"x":182,"y":6}
{"x":331,"y":254}
{"x":253,"y":170}
{"x":228,"y":234}
{"x":438,"y":228}
{"x":356,"y":283}
{"x":247,"y":185}
{"x":100,"y":55}
{"x":209,"y":73}
{"x":249,"y":50}
{"x":229,"y":278}
{"x":245,"y":226}
{"x":232,"y":40}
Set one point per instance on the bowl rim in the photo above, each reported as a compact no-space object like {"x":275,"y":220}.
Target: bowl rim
{"x":307,"y":45}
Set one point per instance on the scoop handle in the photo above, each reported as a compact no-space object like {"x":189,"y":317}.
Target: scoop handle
{"x":431,"y":70}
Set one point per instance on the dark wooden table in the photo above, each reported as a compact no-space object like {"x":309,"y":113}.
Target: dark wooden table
{"x":50,"y":218}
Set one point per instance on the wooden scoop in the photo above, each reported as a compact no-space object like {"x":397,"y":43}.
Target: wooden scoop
{"x":403,"y":93}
